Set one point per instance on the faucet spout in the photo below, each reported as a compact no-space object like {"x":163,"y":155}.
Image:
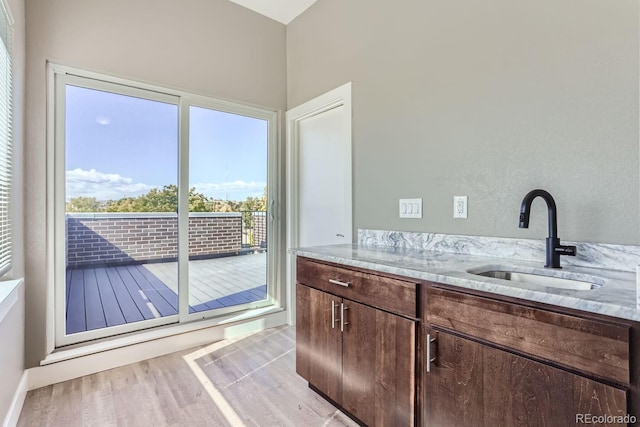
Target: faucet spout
{"x":525,"y":210}
{"x":554,"y":248}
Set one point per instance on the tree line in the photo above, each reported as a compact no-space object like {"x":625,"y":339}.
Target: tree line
{"x":166,"y":200}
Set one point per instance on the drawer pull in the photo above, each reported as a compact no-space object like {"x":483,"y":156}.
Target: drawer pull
{"x":338,"y":282}
{"x":429,"y":358}
{"x":342,"y":322}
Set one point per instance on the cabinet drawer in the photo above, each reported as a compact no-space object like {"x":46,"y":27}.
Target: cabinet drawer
{"x":386,"y":293}
{"x":587,"y":345}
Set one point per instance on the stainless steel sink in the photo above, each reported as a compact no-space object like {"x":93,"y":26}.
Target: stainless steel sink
{"x":582,"y":284}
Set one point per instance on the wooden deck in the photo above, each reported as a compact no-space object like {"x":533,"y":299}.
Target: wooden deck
{"x":110,"y":296}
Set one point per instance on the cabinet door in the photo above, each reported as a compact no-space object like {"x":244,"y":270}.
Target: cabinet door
{"x":319,"y":341}
{"x":454,"y":385}
{"x":471,"y":384}
{"x":378,"y":366}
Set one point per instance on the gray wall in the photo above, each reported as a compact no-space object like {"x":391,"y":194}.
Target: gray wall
{"x":212,"y":47}
{"x":484,"y":99}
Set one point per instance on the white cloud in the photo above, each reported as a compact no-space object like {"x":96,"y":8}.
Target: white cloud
{"x":236,"y":190}
{"x":102,"y":186}
{"x":112,"y":186}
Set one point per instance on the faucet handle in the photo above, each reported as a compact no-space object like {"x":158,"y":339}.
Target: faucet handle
{"x":566,"y":250}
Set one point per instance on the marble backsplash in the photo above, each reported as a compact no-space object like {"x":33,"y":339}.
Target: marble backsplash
{"x":592,"y":255}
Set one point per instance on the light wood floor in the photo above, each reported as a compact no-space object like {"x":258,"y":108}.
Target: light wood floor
{"x":245,"y":382}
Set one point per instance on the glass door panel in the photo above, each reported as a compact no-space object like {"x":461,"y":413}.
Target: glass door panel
{"x":227,"y":210}
{"x":121,"y":195}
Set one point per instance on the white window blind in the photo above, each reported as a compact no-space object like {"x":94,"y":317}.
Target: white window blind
{"x":6,"y":137}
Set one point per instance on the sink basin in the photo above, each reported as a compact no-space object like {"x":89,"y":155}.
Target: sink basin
{"x":540,"y":279}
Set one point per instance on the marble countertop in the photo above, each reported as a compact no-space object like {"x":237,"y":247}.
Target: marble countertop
{"x":616,"y":297}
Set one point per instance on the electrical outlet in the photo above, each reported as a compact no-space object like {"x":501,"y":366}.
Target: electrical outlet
{"x":460,"y":206}
{"x":410,"y":208}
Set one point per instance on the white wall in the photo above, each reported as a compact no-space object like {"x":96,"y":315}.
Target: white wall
{"x":483,"y":99}
{"x":211,"y":47}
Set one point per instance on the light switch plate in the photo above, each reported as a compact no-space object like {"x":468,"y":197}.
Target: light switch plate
{"x":410,"y":208}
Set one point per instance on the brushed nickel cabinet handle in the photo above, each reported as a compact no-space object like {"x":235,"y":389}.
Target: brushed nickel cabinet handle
{"x":429,"y":358}
{"x":338,"y":282}
{"x":333,"y":314}
{"x":342,"y":322}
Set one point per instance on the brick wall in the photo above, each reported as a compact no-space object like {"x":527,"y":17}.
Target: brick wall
{"x":260,"y":229}
{"x":99,"y":239}
{"x":214,"y":234}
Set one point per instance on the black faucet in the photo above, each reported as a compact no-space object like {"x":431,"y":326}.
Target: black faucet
{"x":554,"y":248}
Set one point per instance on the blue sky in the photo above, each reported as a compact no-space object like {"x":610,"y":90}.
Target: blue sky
{"x":120,"y":146}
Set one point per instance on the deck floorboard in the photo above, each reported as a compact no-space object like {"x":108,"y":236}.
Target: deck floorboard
{"x":113,"y":316}
{"x":76,"y":318}
{"x":150,"y":293}
{"x":127,"y":306}
{"x":159,"y":286}
{"x":109,"y":296}
{"x":93,"y":302}
{"x":139,"y":299}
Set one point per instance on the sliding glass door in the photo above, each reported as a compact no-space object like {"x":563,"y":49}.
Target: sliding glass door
{"x":228,"y":209}
{"x":161,"y":207}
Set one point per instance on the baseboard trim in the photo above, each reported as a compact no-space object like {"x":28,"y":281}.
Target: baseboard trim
{"x":64,"y":370}
{"x":11,"y":420}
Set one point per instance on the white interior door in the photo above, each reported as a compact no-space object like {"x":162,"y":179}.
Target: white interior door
{"x":319,"y":176}
{"x":324,"y":191}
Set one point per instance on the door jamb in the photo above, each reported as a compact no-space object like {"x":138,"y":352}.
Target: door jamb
{"x":340,"y":96}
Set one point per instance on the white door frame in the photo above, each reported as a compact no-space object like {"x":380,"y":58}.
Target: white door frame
{"x":340,"y":96}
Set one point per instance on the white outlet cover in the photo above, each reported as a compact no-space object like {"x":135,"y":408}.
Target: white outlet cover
{"x":460,"y":207}
{"x":410,"y":208}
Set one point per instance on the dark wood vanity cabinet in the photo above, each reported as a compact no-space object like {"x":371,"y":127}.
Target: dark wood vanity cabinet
{"x":475,"y":384}
{"x":474,"y":359}
{"x":351,"y":347}
{"x":493,"y":363}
